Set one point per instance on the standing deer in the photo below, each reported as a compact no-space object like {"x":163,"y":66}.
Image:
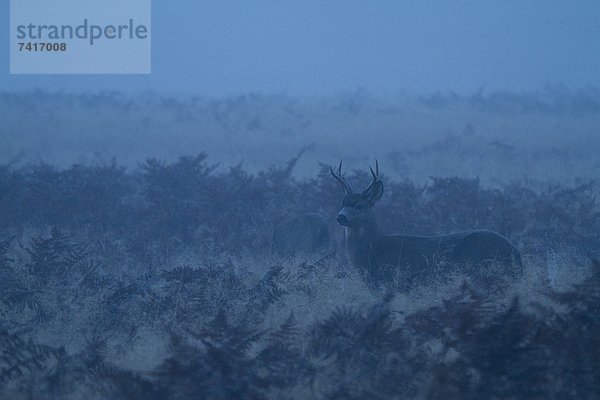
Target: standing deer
{"x":415,"y":258}
{"x":306,"y":234}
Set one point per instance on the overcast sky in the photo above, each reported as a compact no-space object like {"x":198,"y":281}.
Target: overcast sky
{"x":222,"y":48}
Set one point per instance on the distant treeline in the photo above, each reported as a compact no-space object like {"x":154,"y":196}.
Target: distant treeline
{"x":552,"y":100}
{"x":497,"y":136}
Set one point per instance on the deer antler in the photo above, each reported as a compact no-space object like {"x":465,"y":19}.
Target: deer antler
{"x":340,"y":179}
{"x":374,"y":174}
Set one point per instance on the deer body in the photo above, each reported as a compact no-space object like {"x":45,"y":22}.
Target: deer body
{"x":384,"y":258}
{"x":418,"y":258}
{"x":306,"y":233}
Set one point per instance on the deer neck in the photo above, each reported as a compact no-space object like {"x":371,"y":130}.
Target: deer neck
{"x":362,"y":234}
{"x":360,"y":242}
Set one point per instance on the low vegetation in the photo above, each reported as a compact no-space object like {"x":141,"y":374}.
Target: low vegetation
{"x":160,"y":283}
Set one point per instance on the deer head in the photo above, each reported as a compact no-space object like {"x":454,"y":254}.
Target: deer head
{"x":357,"y":208}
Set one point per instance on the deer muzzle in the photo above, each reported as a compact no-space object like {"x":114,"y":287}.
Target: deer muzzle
{"x":342,"y":219}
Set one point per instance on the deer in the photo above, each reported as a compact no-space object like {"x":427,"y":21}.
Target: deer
{"x":384,"y":258}
{"x":305,"y":233}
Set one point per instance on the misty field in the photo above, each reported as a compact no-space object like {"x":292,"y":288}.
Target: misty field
{"x":160,"y":282}
{"x":500,"y":137}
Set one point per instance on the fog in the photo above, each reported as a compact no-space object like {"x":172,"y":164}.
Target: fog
{"x":499,"y":137}
{"x":227,"y":48}
{"x":180,"y":234}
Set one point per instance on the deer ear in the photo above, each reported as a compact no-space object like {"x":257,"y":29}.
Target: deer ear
{"x":375,"y":192}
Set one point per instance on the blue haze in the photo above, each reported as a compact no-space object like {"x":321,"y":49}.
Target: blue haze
{"x":222,"y":48}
